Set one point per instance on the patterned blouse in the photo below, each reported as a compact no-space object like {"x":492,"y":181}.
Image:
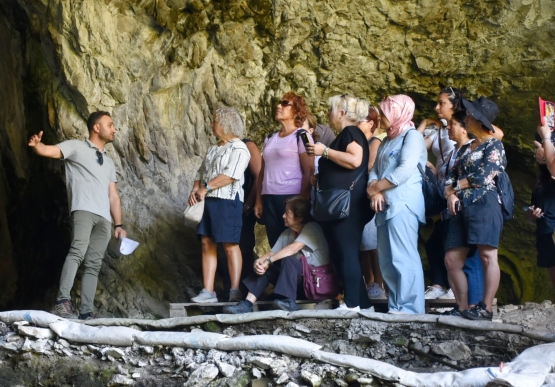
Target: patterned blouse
{"x":479,"y":167}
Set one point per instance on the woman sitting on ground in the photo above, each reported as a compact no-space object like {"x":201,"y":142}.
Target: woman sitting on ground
{"x":473,"y":200}
{"x":219,"y":182}
{"x":302,"y":237}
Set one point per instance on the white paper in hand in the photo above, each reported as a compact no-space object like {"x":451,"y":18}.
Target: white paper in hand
{"x":127,"y":246}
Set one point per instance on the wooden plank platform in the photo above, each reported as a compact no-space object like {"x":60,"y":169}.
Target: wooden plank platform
{"x":180,"y":309}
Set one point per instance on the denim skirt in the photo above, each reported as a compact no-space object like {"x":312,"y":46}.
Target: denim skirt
{"x":222,"y":220}
{"x":478,"y":224}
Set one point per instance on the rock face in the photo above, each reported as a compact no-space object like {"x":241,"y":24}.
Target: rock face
{"x":162,"y":67}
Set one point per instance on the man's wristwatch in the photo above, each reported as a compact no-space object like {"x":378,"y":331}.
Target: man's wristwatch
{"x":208,"y":189}
{"x":269,"y":259}
{"x":456,"y":186}
{"x":119,"y":225}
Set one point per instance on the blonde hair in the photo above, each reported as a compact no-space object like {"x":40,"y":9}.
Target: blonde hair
{"x":356,"y":109}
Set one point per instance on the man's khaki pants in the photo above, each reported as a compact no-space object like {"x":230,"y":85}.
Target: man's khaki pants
{"x":91,"y":234}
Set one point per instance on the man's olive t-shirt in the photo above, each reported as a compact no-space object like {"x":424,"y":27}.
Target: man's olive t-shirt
{"x":88,"y":182}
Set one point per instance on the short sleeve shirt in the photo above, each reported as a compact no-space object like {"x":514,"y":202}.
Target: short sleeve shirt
{"x":231,"y":160}
{"x":88,"y":182}
{"x":283,"y":174}
{"x":315,"y":246}
{"x":447,"y":146}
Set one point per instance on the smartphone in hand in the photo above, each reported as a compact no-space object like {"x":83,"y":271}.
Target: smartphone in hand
{"x":304,"y":138}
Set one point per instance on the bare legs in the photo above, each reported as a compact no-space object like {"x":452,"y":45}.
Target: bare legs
{"x":454,"y":262}
{"x":371,"y":267}
{"x":210,"y":262}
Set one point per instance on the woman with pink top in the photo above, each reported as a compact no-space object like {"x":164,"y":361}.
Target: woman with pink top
{"x":286,"y":167}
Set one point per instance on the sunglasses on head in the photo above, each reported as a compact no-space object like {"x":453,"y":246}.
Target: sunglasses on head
{"x":100,"y":158}
{"x":285,"y":103}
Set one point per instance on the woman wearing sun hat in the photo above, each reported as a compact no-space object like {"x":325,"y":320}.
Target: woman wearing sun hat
{"x":473,"y":200}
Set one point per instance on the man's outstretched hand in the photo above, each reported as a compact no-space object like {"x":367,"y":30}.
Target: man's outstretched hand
{"x":35,"y":139}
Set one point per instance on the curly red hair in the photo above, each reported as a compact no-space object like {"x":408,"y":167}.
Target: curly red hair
{"x":300,"y":109}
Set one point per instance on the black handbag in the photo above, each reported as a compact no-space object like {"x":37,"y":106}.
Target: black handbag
{"x":333,"y":203}
{"x":434,"y":201}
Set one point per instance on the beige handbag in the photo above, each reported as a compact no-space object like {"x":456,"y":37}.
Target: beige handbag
{"x":193,"y":214}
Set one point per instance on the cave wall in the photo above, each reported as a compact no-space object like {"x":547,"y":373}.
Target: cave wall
{"x":161,"y":67}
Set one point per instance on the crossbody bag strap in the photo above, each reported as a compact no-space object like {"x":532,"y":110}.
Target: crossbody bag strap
{"x":440,"y":146}
{"x":419,"y":166}
{"x":352,"y":184}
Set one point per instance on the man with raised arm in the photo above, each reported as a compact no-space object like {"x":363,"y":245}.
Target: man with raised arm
{"x":94,"y":200}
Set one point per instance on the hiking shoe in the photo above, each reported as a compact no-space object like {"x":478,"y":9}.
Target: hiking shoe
{"x":448,"y":296}
{"x":87,"y":316}
{"x":478,"y":312}
{"x":376,"y":292}
{"x":240,"y":308}
{"x":64,"y":309}
{"x":432,"y":293}
{"x":205,"y":296}
{"x":287,"y":305}
{"x":453,"y":312}
{"x":235,"y":295}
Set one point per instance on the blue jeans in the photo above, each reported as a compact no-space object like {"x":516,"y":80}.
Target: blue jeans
{"x":475,"y":277}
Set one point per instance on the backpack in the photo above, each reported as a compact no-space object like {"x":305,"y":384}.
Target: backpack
{"x":434,"y":202}
{"x":506,"y":194}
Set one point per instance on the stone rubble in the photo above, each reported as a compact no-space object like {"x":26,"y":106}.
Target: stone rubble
{"x":393,"y":343}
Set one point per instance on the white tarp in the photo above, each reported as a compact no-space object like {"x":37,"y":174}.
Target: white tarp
{"x":282,"y":344}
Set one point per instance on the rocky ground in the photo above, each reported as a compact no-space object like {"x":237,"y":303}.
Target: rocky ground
{"x":31,"y":356}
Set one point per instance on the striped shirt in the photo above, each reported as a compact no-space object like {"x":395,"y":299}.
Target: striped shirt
{"x":231,"y":160}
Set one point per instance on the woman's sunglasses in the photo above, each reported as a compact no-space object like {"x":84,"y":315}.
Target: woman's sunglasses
{"x":285,"y":103}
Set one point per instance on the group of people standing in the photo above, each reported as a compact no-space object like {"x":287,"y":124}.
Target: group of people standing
{"x":378,"y":154}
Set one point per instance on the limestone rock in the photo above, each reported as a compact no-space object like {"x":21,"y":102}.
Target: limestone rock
{"x":262,"y":362}
{"x":116,"y":353}
{"x":454,"y":350}
{"x":310,"y":378}
{"x":161,"y":68}
{"x":226,"y":370}
{"x":37,"y":333}
{"x":203,"y":375}
{"x":121,"y":380}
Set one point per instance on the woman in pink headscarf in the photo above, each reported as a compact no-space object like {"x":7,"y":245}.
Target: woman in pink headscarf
{"x":395,"y":191}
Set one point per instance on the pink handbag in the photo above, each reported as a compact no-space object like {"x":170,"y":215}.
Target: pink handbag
{"x":320,"y":282}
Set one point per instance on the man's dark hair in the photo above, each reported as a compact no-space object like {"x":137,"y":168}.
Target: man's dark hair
{"x":94,"y":117}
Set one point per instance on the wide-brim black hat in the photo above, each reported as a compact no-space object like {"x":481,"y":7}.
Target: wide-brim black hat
{"x":483,"y":110}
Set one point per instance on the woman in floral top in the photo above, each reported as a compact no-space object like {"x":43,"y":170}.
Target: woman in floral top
{"x":473,"y":200}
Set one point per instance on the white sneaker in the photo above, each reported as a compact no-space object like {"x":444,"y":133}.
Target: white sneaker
{"x":395,"y":312}
{"x":376,"y":292}
{"x":344,"y":306}
{"x":432,"y":293}
{"x":448,"y":296}
{"x":205,"y":296}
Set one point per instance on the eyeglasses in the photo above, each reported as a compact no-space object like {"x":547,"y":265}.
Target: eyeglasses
{"x":285,"y":103}
{"x":100,"y":158}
